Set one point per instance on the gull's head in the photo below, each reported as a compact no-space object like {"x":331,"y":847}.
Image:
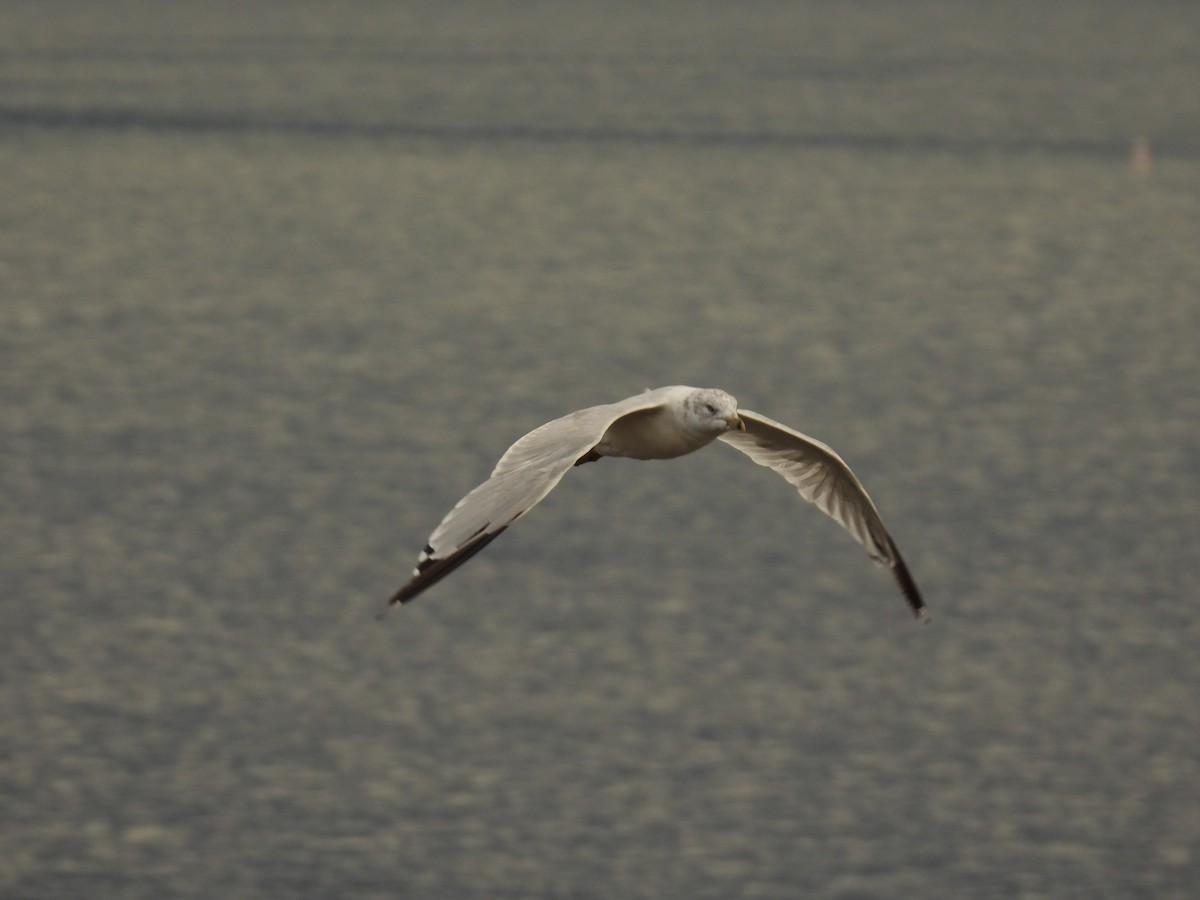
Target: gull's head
{"x":711,"y":410}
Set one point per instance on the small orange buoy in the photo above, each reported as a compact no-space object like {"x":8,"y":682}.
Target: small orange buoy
{"x":1140,"y":158}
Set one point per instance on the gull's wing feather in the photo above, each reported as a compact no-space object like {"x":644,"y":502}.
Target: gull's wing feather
{"x":823,"y":479}
{"x":525,"y":474}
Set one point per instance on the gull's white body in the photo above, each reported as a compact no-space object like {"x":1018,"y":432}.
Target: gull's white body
{"x":659,"y":424}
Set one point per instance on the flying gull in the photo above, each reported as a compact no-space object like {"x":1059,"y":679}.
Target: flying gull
{"x":658,"y":424}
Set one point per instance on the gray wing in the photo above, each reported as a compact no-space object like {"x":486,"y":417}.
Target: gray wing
{"x":525,"y":474}
{"x":824,"y":479}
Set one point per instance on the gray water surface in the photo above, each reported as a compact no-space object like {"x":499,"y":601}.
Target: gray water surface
{"x":278,"y":286}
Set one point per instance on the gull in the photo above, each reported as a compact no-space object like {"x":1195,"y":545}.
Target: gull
{"x":662,"y":423}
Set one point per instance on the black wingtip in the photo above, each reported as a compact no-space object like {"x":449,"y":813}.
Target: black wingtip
{"x":431,"y":570}
{"x":909,"y":588}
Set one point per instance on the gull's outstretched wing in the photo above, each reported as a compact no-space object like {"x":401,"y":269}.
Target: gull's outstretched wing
{"x":525,"y":474}
{"x":824,"y":479}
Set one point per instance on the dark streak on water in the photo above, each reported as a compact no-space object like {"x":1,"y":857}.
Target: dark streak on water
{"x":93,"y":119}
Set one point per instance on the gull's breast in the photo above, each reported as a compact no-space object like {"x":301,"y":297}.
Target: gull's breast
{"x":650,"y":434}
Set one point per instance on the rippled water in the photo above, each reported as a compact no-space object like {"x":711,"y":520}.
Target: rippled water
{"x":275,"y":290}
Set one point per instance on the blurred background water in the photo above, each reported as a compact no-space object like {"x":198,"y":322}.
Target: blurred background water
{"x":279,"y":282}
